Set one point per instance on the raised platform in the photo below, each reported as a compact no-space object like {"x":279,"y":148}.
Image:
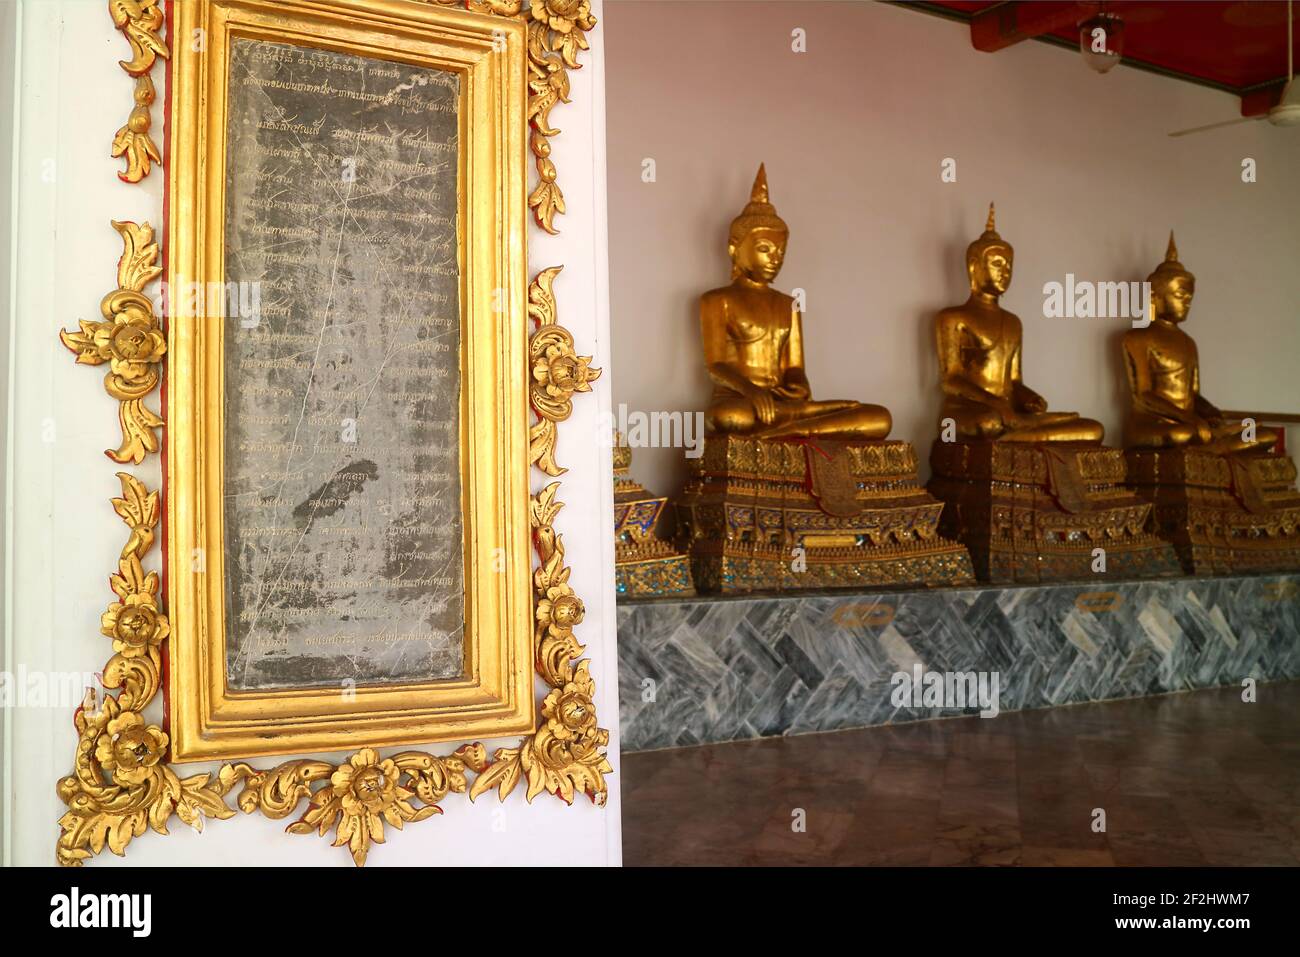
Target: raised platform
{"x":726,"y":669}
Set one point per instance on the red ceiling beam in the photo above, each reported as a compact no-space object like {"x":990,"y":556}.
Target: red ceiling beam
{"x":1008,"y":23}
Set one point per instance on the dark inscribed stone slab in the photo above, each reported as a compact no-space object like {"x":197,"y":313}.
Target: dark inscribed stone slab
{"x":344,"y":549}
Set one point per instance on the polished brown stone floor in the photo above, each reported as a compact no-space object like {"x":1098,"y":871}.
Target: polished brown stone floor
{"x":1184,"y":779}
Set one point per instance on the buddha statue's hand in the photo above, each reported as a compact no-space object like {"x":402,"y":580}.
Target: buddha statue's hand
{"x":764,"y":404}
{"x":1012,"y":415}
{"x":1201,"y":426}
{"x":1027,"y":400}
{"x":793,"y":389}
{"x":1210,"y":414}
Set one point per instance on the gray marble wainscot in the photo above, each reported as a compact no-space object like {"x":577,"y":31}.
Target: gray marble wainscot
{"x":704,"y":670}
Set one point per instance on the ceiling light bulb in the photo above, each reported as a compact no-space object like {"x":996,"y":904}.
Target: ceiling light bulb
{"x":1101,"y":41}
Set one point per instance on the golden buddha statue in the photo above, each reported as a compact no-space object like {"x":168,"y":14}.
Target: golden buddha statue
{"x":792,"y":493}
{"x":979,"y":346}
{"x":1164,"y":376}
{"x":1031,"y":493}
{"x":753,"y":345}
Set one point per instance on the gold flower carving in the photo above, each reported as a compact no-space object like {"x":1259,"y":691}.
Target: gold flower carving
{"x":556,"y":372}
{"x":121,"y":784}
{"x":566,"y":754}
{"x":141,"y":23}
{"x":356,"y":798}
{"x":130,"y":340}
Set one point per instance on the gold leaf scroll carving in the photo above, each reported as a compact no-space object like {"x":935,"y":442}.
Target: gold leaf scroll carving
{"x":121,"y":784}
{"x":556,"y":372}
{"x":130,"y":340}
{"x":141,"y":23}
{"x":565,"y":755}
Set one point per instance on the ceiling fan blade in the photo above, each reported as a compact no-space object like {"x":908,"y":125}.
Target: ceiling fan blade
{"x":1215,"y":126}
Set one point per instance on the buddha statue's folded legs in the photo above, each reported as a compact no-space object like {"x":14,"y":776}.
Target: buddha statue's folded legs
{"x":846,"y":420}
{"x":974,"y":420}
{"x":1150,"y":431}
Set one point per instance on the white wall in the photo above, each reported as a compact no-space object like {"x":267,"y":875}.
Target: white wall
{"x":65,"y":538}
{"x":8,"y":89}
{"x":853,"y":133}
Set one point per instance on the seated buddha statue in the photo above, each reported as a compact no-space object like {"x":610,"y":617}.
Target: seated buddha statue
{"x":979,"y":346}
{"x":753,"y":345}
{"x":1164,"y":376}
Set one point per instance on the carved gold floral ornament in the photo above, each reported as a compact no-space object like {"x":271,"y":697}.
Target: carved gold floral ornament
{"x":556,"y":33}
{"x":141,"y":23}
{"x":130,"y":340}
{"x":133,"y":141}
{"x":129,"y":749}
{"x":121,"y":783}
{"x":557,"y":372}
{"x":122,"y":786}
{"x":357,"y":797}
{"x":565,"y":755}
{"x":135,"y":623}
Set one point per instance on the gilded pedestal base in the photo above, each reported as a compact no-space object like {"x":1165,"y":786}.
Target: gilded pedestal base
{"x":1224,"y":514}
{"x":771,"y":515}
{"x":652,"y":571}
{"x":1036,"y":513}
{"x":644,"y":564}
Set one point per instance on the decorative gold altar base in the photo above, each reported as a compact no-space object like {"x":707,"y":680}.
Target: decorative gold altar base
{"x":1223,"y":513}
{"x":644,"y":564}
{"x":772,"y":515}
{"x":1035,"y":513}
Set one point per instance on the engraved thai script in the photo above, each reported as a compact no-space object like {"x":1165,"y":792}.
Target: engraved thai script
{"x":342,"y":430}
{"x":290,"y":126}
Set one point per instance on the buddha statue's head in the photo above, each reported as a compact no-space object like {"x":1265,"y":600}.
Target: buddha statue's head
{"x":1172,"y":287}
{"x":989,"y":260}
{"x":756,"y":243}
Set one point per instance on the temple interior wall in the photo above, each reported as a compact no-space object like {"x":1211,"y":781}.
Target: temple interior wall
{"x":854,"y":132}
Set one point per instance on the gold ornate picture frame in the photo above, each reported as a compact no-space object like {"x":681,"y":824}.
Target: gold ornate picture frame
{"x":122,"y":782}
{"x":493,"y":696}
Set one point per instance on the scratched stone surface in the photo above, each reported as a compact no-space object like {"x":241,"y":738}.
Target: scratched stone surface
{"x":343,"y":537}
